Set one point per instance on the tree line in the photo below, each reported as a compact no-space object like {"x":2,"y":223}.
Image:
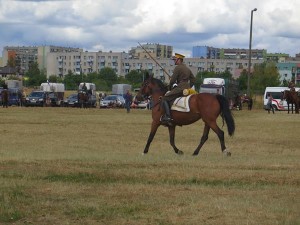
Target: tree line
{"x":263,"y":75}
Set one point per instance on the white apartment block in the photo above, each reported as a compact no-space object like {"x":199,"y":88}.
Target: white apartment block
{"x":60,"y":64}
{"x":24,"y":55}
{"x":59,"y":61}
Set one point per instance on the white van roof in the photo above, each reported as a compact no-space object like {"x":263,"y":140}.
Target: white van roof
{"x":55,"y":87}
{"x":89,"y":86}
{"x":217,"y":81}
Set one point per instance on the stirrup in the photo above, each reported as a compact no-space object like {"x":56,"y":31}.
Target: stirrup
{"x":166,"y":121}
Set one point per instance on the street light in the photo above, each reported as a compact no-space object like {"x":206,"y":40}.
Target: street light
{"x":250,"y":43}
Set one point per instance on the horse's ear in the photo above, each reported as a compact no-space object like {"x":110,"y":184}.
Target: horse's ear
{"x":147,"y":75}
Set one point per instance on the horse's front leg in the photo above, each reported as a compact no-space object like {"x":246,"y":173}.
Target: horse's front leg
{"x":172,"y":140}
{"x":203,"y":139}
{"x":154,"y":127}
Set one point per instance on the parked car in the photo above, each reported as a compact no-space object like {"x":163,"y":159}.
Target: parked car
{"x":71,"y":101}
{"x":53,"y":99}
{"x":112,"y":101}
{"x":92,"y":101}
{"x":140,"y":104}
{"x":15,"y":96}
{"x":36,"y":98}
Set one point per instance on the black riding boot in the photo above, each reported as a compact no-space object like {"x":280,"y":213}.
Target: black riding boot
{"x":166,"y":119}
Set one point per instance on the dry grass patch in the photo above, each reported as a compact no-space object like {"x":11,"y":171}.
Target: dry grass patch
{"x":73,"y":166}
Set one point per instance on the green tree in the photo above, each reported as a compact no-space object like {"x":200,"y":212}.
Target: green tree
{"x":226,"y":75}
{"x":135,"y":77}
{"x":109,"y":76}
{"x":72,"y":81}
{"x":35,"y":76}
{"x":264,"y":75}
{"x":52,"y":79}
{"x":243,"y":79}
{"x":92,"y":77}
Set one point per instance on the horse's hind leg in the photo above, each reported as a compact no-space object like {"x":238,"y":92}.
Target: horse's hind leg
{"x":203,"y":139}
{"x":172,"y":140}
{"x":220,"y":135}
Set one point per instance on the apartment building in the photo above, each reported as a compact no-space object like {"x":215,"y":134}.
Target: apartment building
{"x":59,"y":61}
{"x":62,"y":63}
{"x":155,"y":50}
{"x":207,"y":52}
{"x":25,"y":55}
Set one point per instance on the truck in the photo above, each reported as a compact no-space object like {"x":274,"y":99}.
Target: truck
{"x":55,"y":91}
{"x":226,"y":87}
{"x":120,"y":89}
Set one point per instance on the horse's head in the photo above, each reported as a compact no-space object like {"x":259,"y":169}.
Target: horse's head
{"x":151,"y":86}
{"x":146,"y":88}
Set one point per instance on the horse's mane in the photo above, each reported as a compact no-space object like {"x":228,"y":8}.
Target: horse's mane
{"x":160,"y":84}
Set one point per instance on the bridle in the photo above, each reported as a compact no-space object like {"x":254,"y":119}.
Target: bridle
{"x":152,"y":91}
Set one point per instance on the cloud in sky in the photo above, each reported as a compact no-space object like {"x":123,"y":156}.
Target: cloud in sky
{"x":118,"y":25}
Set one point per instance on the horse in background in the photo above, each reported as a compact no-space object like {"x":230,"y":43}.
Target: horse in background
{"x":5,"y":98}
{"x":291,"y":98}
{"x":248,"y":100}
{"x":83,"y":99}
{"x":205,"y":106}
{"x":237,"y":102}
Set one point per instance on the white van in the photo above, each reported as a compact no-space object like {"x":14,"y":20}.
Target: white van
{"x":276,"y":93}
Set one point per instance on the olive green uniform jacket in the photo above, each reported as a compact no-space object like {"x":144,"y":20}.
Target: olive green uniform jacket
{"x":184,"y":78}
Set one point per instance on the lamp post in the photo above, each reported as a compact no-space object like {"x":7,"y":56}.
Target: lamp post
{"x":250,"y":43}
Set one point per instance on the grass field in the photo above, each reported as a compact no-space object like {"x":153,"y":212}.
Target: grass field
{"x":85,"y":166}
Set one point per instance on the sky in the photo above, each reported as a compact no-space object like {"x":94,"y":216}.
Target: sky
{"x":119,"y":25}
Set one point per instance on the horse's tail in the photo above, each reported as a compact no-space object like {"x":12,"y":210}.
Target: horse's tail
{"x":226,"y":114}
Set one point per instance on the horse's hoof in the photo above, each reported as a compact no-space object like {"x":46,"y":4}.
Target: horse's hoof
{"x":195,"y":154}
{"x":226,"y":153}
{"x":180,"y":152}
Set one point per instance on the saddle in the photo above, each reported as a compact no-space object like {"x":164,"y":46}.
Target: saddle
{"x":181,"y":104}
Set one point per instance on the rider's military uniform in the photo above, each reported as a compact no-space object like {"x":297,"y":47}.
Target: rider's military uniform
{"x":181,"y":79}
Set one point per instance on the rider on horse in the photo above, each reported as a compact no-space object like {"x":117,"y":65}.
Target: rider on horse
{"x":84,"y":88}
{"x":181,"y":79}
{"x":292,"y":86}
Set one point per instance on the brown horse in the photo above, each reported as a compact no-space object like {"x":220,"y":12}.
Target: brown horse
{"x":4,"y":98}
{"x":292,"y":98}
{"x":83,"y":99}
{"x":202,"y":106}
{"x":248,"y":100}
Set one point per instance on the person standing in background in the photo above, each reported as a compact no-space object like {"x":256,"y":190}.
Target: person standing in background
{"x":269,"y":104}
{"x":128,"y":100}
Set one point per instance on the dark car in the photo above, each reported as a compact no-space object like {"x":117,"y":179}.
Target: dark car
{"x":71,"y":101}
{"x":36,"y":98}
{"x":15,"y":96}
{"x":52,"y":99}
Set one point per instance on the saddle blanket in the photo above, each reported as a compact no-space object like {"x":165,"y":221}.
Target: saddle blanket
{"x":181,"y":104}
